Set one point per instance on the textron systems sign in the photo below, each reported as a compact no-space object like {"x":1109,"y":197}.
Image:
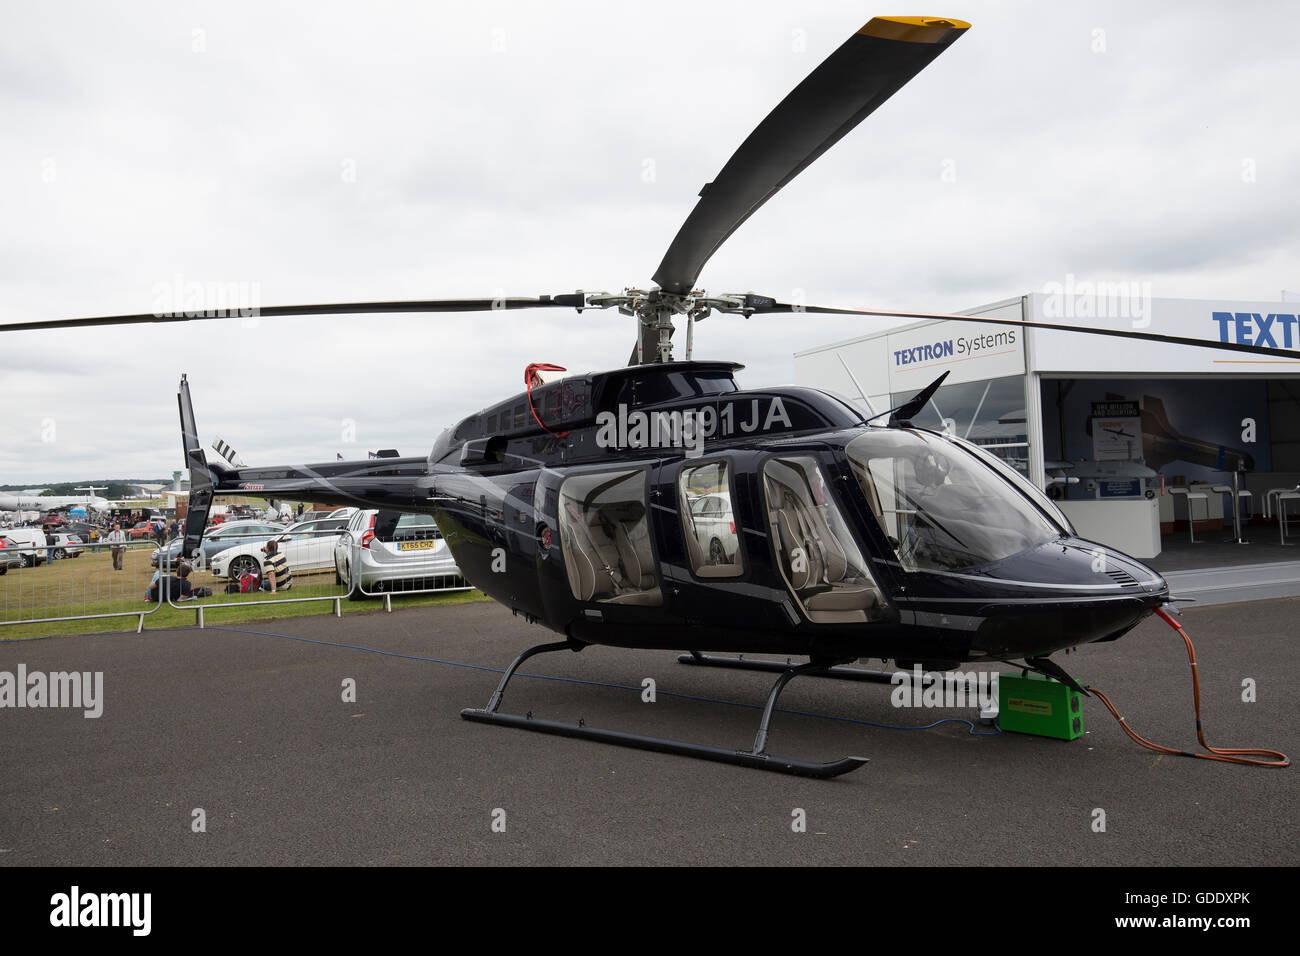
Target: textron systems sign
{"x":948,"y":348}
{"x":968,"y":351}
{"x":1271,"y":324}
{"x":1257,"y":328}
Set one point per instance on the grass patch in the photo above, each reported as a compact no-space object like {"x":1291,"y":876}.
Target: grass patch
{"x":89,"y":585}
{"x":168,"y":616}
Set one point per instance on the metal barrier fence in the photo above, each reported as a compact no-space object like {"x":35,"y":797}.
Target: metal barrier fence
{"x":324,"y":566}
{"x":231,"y":567}
{"x":64,"y":581}
{"x":61,"y":581}
{"x":414,"y":559}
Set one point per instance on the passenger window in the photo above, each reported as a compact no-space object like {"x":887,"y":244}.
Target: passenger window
{"x":816,"y":554}
{"x":605,"y":539}
{"x":708,"y":522}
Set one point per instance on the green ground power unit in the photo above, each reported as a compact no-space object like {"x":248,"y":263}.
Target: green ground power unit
{"x":1035,"y":704}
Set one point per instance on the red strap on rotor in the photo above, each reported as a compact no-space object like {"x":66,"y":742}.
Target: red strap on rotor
{"x":531,"y":378}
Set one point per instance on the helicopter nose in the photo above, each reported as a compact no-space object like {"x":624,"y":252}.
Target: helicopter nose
{"x":1104,"y":562}
{"x":1085,"y":566}
{"x":1064,"y":594}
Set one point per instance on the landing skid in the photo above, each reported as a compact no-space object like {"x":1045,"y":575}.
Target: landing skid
{"x":757,"y":758}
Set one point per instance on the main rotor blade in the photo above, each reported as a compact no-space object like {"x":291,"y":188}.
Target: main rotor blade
{"x":769,"y":307}
{"x":570,"y":301}
{"x":848,"y":86}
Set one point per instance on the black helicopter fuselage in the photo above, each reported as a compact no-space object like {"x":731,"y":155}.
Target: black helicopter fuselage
{"x":575,"y":507}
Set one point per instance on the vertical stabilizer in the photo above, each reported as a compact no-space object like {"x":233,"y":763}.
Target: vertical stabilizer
{"x":202,"y":480}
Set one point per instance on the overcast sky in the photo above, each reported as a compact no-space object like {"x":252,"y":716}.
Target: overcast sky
{"x":321,"y":151}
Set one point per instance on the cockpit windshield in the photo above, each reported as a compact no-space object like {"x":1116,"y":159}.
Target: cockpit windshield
{"x":940,"y":507}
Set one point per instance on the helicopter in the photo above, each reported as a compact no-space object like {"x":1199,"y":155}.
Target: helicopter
{"x":661,"y":506}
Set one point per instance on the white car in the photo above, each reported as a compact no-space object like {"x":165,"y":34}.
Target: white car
{"x":386,"y":550}
{"x":31,"y":543}
{"x":306,"y":546}
{"x":715,"y":527}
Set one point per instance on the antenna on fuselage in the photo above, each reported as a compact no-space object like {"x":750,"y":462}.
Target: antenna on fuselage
{"x":902,"y":415}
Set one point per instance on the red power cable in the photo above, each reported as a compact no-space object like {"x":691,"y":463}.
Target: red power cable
{"x":532,"y":378}
{"x":1226,"y":754}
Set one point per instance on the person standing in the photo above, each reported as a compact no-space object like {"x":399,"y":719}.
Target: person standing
{"x":118,"y":541}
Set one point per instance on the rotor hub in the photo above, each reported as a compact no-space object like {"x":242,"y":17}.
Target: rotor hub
{"x":655,"y":311}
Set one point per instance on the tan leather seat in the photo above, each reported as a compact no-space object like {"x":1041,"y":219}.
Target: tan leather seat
{"x":586,"y":567}
{"x":605,"y":561}
{"x":637,"y":564}
{"x":801,"y":557}
{"x":831,"y":587}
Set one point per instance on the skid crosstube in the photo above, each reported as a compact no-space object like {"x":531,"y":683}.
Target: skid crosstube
{"x":695,"y":658}
{"x":776,"y":667}
{"x":758,"y":758}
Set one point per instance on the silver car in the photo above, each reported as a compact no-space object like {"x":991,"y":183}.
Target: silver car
{"x":8,"y":556}
{"x":388,"y":551}
{"x":65,"y":545}
{"x":219,"y":539}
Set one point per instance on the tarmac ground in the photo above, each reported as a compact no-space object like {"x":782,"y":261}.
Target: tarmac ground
{"x":248,"y":730}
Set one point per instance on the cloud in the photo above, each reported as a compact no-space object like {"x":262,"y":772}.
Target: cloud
{"x":341,"y":153}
